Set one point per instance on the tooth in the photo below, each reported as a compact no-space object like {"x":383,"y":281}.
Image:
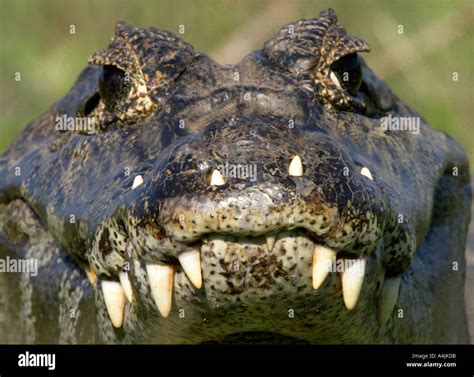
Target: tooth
{"x":365,"y":171}
{"x":388,"y":298}
{"x":335,"y":80}
{"x":270,"y":241}
{"x":217,"y":179}
{"x":161,"y":278}
{"x":296,"y":167}
{"x":137,"y":182}
{"x":91,"y":275}
{"x":114,"y":301}
{"x":191,"y":263}
{"x":127,"y":287}
{"x":352,"y":280}
{"x":323,"y":259}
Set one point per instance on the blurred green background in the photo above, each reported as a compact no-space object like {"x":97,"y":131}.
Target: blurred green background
{"x":437,"y":40}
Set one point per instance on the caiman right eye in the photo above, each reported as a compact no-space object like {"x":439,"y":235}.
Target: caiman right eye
{"x":114,"y":86}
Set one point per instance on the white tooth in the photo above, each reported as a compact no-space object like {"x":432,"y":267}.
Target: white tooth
{"x":217,"y":179}
{"x":352,"y":280}
{"x":388,"y":298}
{"x":191,"y":263}
{"x":365,"y":171}
{"x":323,"y":259}
{"x":335,"y":80}
{"x":114,"y":301}
{"x":296,"y":167}
{"x":91,"y":275}
{"x":127,"y":287}
{"x":137,"y":182}
{"x":270,"y":241}
{"x":161,"y":278}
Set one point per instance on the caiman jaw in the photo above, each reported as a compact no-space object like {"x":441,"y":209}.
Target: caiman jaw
{"x":200,"y":268}
{"x":226,"y":263}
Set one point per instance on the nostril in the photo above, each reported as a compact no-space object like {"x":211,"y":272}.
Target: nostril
{"x":296,"y":167}
{"x":216,"y":178}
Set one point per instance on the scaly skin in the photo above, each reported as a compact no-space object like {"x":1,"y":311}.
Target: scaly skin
{"x":71,"y":205}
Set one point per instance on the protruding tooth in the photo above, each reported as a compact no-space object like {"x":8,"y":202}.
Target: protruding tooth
{"x":270,"y":241}
{"x":127,"y":287}
{"x":216,"y":178}
{"x":137,"y":182}
{"x":191,"y":263}
{"x":388,"y":298}
{"x":352,"y":280}
{"x":296,"y":167}
{"x":161,"y":279}
{"x":323,"y":259}
{"x":91,"y":275}
{"x":114,"y":301}
{"x":365,"y":171}
{"x":335,"y":80}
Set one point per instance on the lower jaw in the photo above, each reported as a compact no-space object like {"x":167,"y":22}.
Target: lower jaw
{"x":245,"y":271}
{"x":262,"y":316}
{"x":251,"y":295}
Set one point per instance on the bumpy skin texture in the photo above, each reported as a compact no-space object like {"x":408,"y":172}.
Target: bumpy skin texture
{"x":186,"y":115}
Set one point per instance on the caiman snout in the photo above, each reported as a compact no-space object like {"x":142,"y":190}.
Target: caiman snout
{"x":256,"y":177}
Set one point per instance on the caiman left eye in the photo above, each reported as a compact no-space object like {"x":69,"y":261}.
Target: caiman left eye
{"x":114,"y":86}
{"x":346,"y":73}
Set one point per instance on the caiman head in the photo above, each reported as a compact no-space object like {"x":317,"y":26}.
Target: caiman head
{"x":290,"y":197}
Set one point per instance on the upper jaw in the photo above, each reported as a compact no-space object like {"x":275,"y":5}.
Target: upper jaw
{"x":352,"y":225}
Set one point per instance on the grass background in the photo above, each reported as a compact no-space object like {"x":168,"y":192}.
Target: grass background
{"x":418,"y":64}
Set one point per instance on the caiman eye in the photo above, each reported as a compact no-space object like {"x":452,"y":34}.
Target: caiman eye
{"x":114,"y":86}
{"x":346,"y":73}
